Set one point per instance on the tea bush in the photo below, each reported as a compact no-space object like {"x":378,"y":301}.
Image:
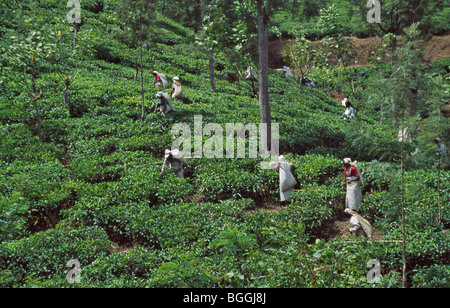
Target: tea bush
{"x":435,"y":276}
{"x":313,"y":206}
{"x":45,"y":254}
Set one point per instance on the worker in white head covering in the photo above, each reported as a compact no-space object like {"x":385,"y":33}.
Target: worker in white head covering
{"x":309,"y":83}
{"x":287,"y":72}
{"x":359,"y":225}
{"x":287,"y":180}
{"x":353,"y":197}
{"x":177,"y":91}
{"x":176,"y":163}
{"x":160,"y":80}
{"x":349,"y":112}
{"x":164,"y":105}
{"x":353,"y":178}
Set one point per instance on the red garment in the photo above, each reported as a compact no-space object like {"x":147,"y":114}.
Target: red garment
{"x":353,"y":172}
{"x":157,"y":78}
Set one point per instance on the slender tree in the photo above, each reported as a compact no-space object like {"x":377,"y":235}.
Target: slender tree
{"x":65,"y":60}
{"x":265,"y":9}
{"x":137,"y":17}
{"x":28,"y":55}
{"x":403,"y":79}
{"x":263,"y":53}
{"x":214,"y":34}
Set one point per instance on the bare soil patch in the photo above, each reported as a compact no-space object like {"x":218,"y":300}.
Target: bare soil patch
{"x":437,"y":48}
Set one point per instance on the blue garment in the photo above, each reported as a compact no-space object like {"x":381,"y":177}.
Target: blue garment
{"x":348,"y":114}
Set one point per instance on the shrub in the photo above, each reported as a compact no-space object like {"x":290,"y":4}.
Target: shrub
{"x":313,"y":206}
{"x":45,"y":254}
{"x":435,"y":276}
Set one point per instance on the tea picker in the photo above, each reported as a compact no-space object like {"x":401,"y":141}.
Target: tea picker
{"x":287,"y":180}
{"x":160,"y":80}
{"x":309,"y":83}
{"x":287,"y":72}
{"x":164,"y":104}
{"x":177,"y":91}
{"x":353,"y":178}
{"x":349,"y":112}
{"x":353,"y":197}
{"x":359,"y":225}
{"x":176,"y":162}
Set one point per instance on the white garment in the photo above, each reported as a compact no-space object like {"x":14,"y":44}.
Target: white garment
{"x":287,"y":72}
{"x":164,"y":104}
{"x":354,"y":224}
{"x":354,"y":195}
{"x":162,"y":83}
{"x":177,"y":91}
{"x":404,"y":136}
{"x":251,"y":74}
{"x":365,"y":229}
{"x":287,"y":180}
{"x":175,"y":161}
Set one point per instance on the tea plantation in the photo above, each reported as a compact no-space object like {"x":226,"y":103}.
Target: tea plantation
{"x":87,"y":186}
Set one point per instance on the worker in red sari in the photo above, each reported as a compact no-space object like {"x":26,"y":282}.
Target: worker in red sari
{"x":160,"y":80}
{"x":353,"y":179}
{"x":353,"y":198}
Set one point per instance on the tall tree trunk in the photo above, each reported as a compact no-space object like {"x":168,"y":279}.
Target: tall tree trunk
{"x":38,"y":115}
{"x":255,"y":93}
{"x":263,"y":50}
{"x":67,"y":82}
{"x":212,"y":78}
{"x":394,"y":51}
{"x":188,"y":12}
{"x":198,"y":15}
{"x":403,"y":188}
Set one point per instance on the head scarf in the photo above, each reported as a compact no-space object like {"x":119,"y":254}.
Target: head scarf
{"x":167,"y":154}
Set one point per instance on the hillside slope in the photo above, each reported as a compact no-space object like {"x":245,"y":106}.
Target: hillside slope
{"x":88,"y":187}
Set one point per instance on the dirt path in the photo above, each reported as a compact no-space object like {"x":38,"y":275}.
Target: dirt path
{"x":339,"y":228}
{"x":437,"y":48}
